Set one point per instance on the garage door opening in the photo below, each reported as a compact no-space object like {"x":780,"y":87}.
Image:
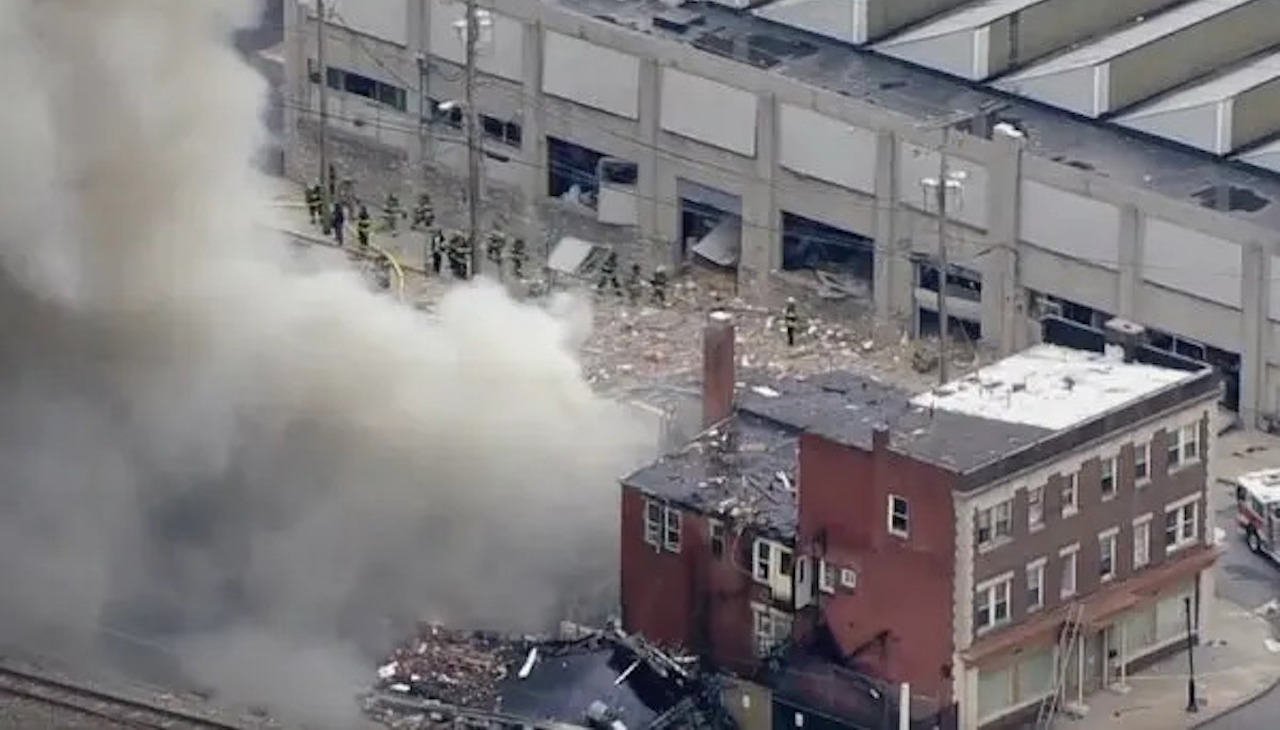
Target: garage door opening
{"x":964,"y":301}
{"x":839,"y":258}
{"x":710,"y":225}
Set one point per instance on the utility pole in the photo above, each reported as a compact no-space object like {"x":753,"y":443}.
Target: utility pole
{"x":321,"y":24}
{"x":473,"y":136}
{"x":940,"y":194}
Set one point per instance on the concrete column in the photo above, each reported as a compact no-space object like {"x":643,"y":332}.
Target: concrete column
{"x":892,"y":282}
{"x":1001,"y":298}
{"x":533,"y":117}
{"x":761,"y":236}
{"x":297,"y":86}
{"x":418,"y":22}
{"x":1129,"y":287}
{"x":659,"y":249}
{"x":1255,"y":295}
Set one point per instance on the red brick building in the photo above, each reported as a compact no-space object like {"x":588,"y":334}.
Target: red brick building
{"x":931,"y":538}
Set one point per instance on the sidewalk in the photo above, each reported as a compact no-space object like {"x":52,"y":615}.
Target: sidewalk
{"x":1235,"y":662}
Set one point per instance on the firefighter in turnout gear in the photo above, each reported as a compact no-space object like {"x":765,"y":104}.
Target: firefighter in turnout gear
{"x":314,"y":199}
{"x":460,"y":255}
{"x":659,"y":286}
{"x":791,"y":321}
{"x":494,"y":248}
{"x":391,"y":212}
{"x":424,"y":216}
{"x":609,"y":274}
{"x":518,"y":258}
{"x":364,"y":225}
{"x":634,"y":284}
{"x":435,"y":240}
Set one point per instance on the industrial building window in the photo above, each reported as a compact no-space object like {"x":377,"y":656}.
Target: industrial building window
{"x":1141,"y":463}
{"x":1141,"y":541}
{"x":1070,"y":494}
{"x":899,"y":523}
{"x":1035,"y":508}
{"x":1183,"y":445}
{"x":508,"y":133}
{"x":1108,"y":480}
{"x":994,"y":524}
{"x":1035,"y":584}
{"x":991,"y":604}
{"x":1180,"y":524}
{"x":372,"y":89}
{"x":661,"y":526}
{"x":1107,"y":554}
{"x":715,"y":529}
{"x":1067,"y":586}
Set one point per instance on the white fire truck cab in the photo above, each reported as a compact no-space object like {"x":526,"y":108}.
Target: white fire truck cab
{"x":1258,"y":511}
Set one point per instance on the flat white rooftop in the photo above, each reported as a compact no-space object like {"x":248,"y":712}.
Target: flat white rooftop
{"x":1134,"y":36}
{"x":1051,"y":387}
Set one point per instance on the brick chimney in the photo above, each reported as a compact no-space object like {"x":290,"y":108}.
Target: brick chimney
{"x":717,"y":369}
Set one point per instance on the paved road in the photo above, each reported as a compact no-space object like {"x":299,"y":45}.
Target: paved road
{"x":1250,"y":581}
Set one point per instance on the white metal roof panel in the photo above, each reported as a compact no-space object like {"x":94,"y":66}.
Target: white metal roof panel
{"x":969,"y":17}
{"x":1123,"y":41}
{"x":1200,"y":115}
{"x":1222,"y":87}
{"x":843,"y":20}
{"x":1267,"y":157}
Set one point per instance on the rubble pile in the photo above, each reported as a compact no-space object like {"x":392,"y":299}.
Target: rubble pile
{"x":457,"y":668}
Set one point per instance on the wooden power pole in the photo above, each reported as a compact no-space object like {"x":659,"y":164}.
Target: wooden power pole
{"x":322,"y":26}
{"x":473,"y":136}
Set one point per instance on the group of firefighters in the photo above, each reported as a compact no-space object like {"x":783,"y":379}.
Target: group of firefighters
{"x":454,"y":248}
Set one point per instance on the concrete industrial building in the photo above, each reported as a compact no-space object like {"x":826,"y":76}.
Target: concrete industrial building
{"x":1034,"y":531}
{"x":776,"y":150}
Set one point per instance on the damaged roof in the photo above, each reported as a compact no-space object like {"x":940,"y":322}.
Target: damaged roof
{"x":602,"y":675}
{"x":745,"y":470}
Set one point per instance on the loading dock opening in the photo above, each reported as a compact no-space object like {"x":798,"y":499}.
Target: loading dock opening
{"x":809,"y":245}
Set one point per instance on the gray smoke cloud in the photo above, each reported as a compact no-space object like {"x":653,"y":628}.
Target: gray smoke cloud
{"x":255,"y":465}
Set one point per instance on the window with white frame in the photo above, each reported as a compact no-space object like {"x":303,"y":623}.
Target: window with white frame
{"x":1141,"y":463}
{"x":1180,"y":524}
{"x":762,"y":561}
{"x":991,"y":603}
{"x":1035,"y":508}
{"x":1107,"y":554}
{"x":994,"y":523}
{"x":1107,"y":481}
{"x":827,"y":577}
{"x":653,"y":522}
{"x":1067,"y":584}
{"x":848,"y":578}
{"x":1035,"y":584}
{"x":771,"y":562}
{"x":1070,"y":495}
{"x":661,"y":526}
{"x":1141,"y":541}
{"x":715,"y":534}
{"x":770,"y":627}
{"x":1183,"y":445}
{"x":899,"y":520}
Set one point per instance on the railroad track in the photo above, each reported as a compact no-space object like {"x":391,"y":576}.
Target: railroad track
{"x":131,"y":713}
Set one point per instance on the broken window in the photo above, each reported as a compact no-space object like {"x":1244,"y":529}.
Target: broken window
{"x":715,"y":529}
{"x":827,"y":577}
{"x":810,"y":245}
{"x":898,"y":521}
{"x":770,"y":628}
{"x":508,"y":133}
{"x":619,"y":172}
{"x":671,"y":532}
{"x":361,"y":85}
{"x":652,"y":523}
{"x":762,"y":559}
{"x":571,"y":171}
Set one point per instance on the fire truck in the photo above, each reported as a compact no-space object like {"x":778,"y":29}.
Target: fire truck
{"x":1258,"y":511}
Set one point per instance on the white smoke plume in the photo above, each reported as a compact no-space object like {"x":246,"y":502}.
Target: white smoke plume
{"x":259,"y":467}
